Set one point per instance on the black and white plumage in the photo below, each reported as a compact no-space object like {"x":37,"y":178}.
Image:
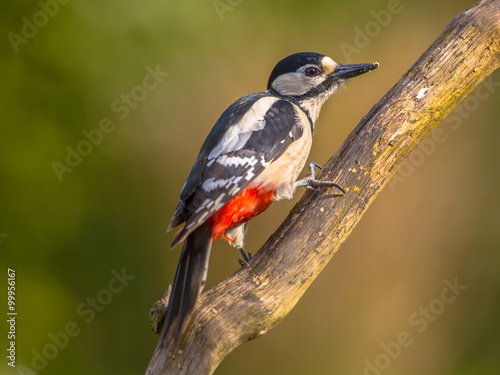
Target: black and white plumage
{"x":252,"y":157}
{"x":250,"y":134}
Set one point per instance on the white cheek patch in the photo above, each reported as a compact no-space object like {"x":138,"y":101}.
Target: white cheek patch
{"x":293,"y":84}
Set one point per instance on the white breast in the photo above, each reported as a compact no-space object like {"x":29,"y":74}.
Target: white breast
{"x":284,"y":171}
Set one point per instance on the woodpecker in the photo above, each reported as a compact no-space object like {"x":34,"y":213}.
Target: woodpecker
{"x":251,"y":158}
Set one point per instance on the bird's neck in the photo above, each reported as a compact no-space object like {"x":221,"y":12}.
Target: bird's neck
{"x":312,"y":106}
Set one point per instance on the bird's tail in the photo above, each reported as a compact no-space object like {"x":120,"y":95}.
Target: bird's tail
{"x":189,"y":279}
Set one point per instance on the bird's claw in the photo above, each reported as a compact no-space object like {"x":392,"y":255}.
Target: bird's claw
{"x":246,"y":257}
{"x":311,"y":183}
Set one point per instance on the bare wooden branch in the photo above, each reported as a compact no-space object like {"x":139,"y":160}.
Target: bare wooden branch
{"x":258,"y":297}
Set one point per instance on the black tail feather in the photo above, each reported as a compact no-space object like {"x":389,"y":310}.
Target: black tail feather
{"x":189,"y":280}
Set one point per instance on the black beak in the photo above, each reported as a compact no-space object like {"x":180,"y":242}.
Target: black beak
{"x":349,"y":71}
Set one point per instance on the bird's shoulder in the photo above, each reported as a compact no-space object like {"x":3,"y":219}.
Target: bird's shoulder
{"x":247,"y":115}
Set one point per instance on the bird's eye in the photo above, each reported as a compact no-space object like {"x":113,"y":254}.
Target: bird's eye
{"x":312,"y":72}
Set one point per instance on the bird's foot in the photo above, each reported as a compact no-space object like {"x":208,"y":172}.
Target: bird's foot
{"x":310,"y":182}
{"x":246,"y":257}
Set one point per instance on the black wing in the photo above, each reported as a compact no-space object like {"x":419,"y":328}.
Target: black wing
{"x":249,"y":135}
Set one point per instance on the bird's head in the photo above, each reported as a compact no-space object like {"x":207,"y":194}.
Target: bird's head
{"x":310,"y":78}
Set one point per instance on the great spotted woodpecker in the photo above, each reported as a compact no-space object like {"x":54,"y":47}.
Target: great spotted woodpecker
{"x":250,"y":159}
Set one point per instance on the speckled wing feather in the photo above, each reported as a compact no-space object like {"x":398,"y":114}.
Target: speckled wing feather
{"x":250,"y":134}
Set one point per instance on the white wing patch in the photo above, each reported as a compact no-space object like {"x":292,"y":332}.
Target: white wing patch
{"x":264,"y":162}
{"x":236,"y":161}
{"x":212,"y":184}
{"x":249,"y":174}
{"x":237,"y":136}
{"x":206,"y":204}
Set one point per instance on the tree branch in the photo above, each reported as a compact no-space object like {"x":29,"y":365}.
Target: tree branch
{"x":256,"y":298}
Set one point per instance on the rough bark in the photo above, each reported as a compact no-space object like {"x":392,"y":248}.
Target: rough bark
{"x":256,"y":298}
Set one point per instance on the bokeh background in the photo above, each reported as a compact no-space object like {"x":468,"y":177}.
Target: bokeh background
{"x":65,"y":235}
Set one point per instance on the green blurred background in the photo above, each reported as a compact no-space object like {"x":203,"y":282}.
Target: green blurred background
{"x":439,"y":221}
